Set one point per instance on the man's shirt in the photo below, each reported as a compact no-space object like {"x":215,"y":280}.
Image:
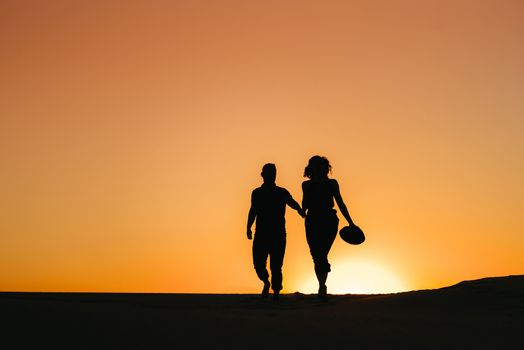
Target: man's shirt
{"x":269,"y":203}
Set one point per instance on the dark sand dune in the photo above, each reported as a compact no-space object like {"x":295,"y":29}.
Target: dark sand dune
{"x":481,"y":314}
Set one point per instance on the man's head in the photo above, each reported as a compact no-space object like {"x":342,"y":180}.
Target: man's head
{"x":269,"y":173}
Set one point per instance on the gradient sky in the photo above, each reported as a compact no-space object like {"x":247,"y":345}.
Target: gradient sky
{"x":133,"y":132}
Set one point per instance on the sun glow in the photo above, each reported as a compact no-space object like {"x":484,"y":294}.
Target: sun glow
{"x":358,"y":277}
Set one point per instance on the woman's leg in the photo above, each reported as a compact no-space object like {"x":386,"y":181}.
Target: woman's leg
{"x":320,"y":236}
{"x":319,"y":248}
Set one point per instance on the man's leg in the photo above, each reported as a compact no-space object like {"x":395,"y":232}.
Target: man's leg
{"x":278,"y":248}
{"x":260,"y":254}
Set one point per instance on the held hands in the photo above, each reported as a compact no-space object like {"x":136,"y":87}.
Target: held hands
{"x":249,"y":233}
{"x":302,"y":212}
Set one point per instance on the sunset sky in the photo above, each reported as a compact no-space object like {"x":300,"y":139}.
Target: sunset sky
{"x":133,"y":132}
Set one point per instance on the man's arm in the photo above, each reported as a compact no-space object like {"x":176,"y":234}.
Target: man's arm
{"x":251,"y":218}
{"x":293,"y":204}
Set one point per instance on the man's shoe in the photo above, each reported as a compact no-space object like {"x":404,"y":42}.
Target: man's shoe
{"x":265,"y":290}
{"x":276,"y":295}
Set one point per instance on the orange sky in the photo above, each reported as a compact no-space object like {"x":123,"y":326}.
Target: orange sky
{"x":132,"y":134}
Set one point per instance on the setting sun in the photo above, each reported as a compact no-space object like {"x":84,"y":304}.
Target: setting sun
{"x":359,"y":277}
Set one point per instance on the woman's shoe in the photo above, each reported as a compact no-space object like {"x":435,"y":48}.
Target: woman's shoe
{"x":322,"y":292}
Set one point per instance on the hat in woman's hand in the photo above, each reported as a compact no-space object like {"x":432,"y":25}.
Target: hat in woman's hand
{"x":352,"y":234}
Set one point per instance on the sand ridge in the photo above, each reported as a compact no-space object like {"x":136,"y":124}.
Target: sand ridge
{"x":473,"y":314}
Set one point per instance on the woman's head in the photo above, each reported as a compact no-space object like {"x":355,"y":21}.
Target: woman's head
{"x":318,"y":167}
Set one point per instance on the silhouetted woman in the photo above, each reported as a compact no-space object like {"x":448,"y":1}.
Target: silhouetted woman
{"x":319,"y":194}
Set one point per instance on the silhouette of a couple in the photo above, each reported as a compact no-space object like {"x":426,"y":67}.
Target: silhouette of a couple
{"x":268,"y":207}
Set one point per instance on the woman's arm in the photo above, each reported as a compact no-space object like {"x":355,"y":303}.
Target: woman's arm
{"x":340,"y":202}
{"x":305,"y":206}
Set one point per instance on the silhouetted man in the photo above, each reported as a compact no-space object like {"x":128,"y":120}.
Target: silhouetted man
{"x":268,"y":207}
